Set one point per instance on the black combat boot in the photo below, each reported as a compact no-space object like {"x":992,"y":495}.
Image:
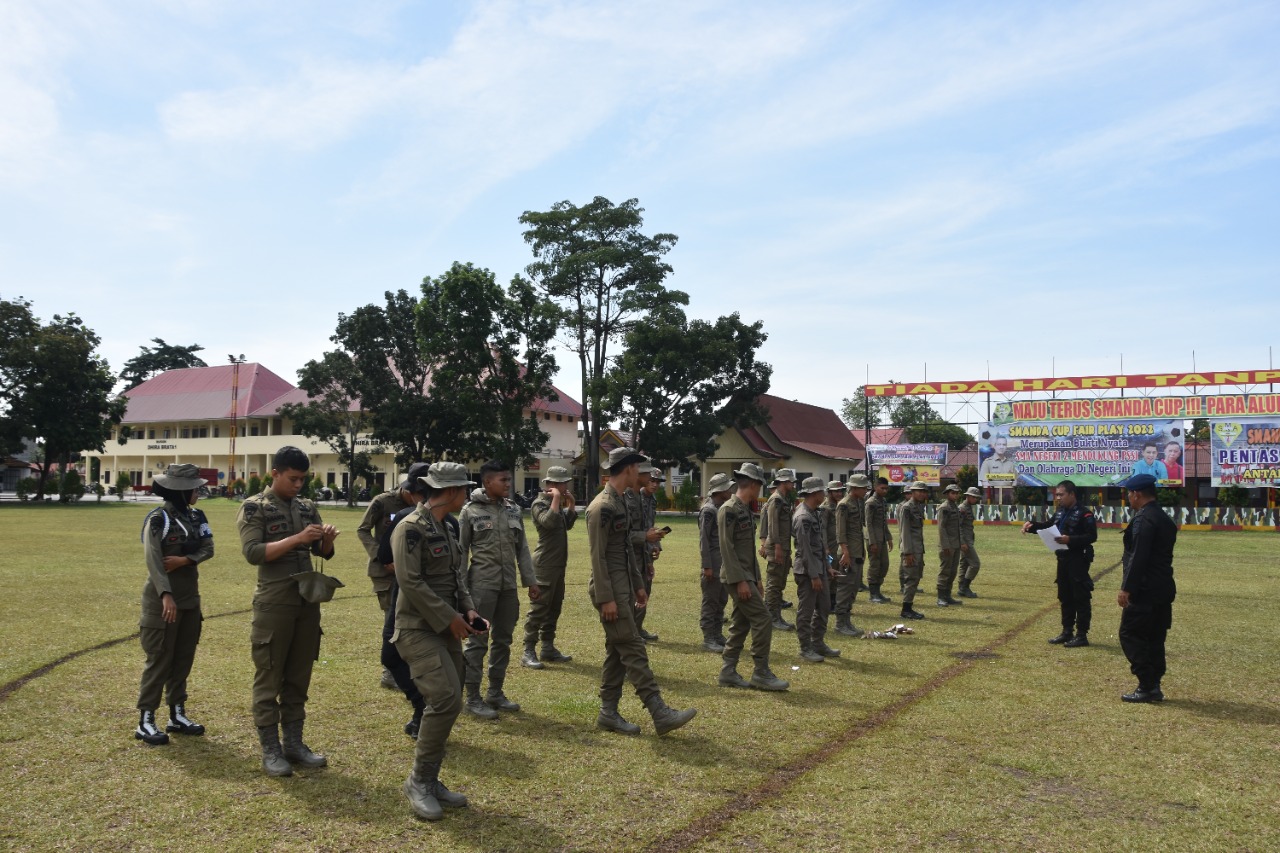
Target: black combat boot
{"x":807,"y":653}
{"x":1144,"y":694}
{"x":497,"y":700}
{"x":296,"y":751}
{"x":147,"y":732}
{"x":551,"y":654}
{"x":909,"y":613}
{"x":180,"y":723}
{"x":273,"y":760}
{"x":666,"y":719}
{"x":610,"y":720}
{"x":845,"y":626}
{"x":1078,"y":641}
{"x":530,"y":658}
{"x":965,"y":591}
{"x":878,"y":597}
{"x":476,"y":706}
{"x":420,"y":788}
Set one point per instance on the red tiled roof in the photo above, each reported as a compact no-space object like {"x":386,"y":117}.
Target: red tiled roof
{"x":811,"y":428}
{"x":202,"y":393}
{"x":756,"y":442}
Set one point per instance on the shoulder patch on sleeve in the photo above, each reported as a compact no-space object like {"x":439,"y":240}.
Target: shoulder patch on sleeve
{"x":412,"y":539}
{"x":249,"y":509}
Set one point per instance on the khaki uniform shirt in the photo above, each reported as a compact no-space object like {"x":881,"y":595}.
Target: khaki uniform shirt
{"x":737,"y":528}
{"x":849,"y":517}
{"x":966,"y":524}
{"x":911,"y":524}
{"x":376,"y":518}
{"x":877,"y":512}
{"x":433,"y":587}
{"x":709,"y":536}
{"x":552,"y":554}
{"x":775,"y":527}
{"x":493,"y":542}
{"x":827,"y":515}
{"x":995,"y":465}
{"x":948,"y":526}
{"x":615,"y":575}
{"x":265,"y":518}
{"x":170,"y":532}
{"x":811,"y":552}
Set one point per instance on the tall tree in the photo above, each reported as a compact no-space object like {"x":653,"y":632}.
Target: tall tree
{"x":492,"y":349}
{"x":18,"y":330}
{"x":921,"y":423}
{"x":679,"y":383}
{"x":862,"y":412}
{"x":334,"y":414}
{"x":57,"y":389}
{"x":595,"y":262}
{"x":154,"y":360}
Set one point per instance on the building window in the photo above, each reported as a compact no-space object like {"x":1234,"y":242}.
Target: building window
{"x":168,"y":433}
{"x":546,"y":416}
{"x":559,"y":417}
{"x":253,"y":430}
{"x":215,"y":432}
{"x":203,"y":432}
{"x":186,"y":432}
{"x":151,"y":433}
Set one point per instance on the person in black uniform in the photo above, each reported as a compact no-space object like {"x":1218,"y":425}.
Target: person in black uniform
{"x":1147,"y":591}
{"x":1078,"y":531}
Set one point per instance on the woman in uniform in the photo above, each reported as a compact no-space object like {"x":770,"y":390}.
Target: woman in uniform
{"x":175,"y":540}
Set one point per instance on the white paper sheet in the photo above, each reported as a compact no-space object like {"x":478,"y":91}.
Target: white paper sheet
{"x":1048,"y":535}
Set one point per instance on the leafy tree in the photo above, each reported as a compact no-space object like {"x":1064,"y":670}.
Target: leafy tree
{"x":862,"y":412}
{"x":595,"y":263}
{"x":70,"y":488}
{"x":333,"y":414}
{"x":966,"y":476}
{"x":25,"y":487}
{"x":1236,"y":496}
{"x":687,"y":496}
{"x":492,"y":349}
{"x":155,"y":360}
{"x":123,"y":484}
{"x":55,"y":387}
{"x":255,"y":484}
{"x":921,"y":422}
{"x":1168,"y":497}
{"x":938,"y":432}
{"x":1200,"y":429}
{"x":679,"y":383}
{"x":1029,"y":495}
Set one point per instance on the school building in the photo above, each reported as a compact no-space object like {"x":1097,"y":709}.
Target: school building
{"x":185,"y":416}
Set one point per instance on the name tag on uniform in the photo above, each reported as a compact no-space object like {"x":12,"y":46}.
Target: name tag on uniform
{"x":440,"y":550}
{"x":480,"y":524}
{"x":277,"y":527}
{"x":620,"y":524}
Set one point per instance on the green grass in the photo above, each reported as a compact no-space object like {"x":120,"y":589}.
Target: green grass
{"x":1029,"y":749}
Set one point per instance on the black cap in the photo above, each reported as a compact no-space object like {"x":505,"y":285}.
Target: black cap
{"x":1139,"y":482}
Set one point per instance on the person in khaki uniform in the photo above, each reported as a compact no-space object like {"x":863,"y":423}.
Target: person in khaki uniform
{"x":740,"y":573}
{"x":377,"y":517}
{"x":279,"y":533}
{"x":644,"y":536}
{"x":494,"y":547}
{"x":714,"y":594}
{"x":812,"y":571}
{"x":434,"y":613}
{"x":775,"y":537}
{"x":850,"y":541}
{"x":554,"y":514}
{"x":949,"y":541}
{"x":617,"y":591}
{"x":879,"y":540}
{"x":175,"y":538}
{"x":827,"y":515}
{"x":969,"y":561}
{"x":911,"y":529}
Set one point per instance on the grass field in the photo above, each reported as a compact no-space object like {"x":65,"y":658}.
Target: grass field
{"x":971,"y":734}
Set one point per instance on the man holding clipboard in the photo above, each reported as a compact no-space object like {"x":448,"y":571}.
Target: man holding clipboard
{"x":1077,"y":531}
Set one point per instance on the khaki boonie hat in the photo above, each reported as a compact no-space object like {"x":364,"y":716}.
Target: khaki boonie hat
{"x":180,"y":478}
{"x":752,"y":470}
{"x":447,"y":475}
{"x":624,"y":456}
{"x":657,"y":476}
{"x":557,"y":474}
{"x":951,"y":488}
{"x":973,"y":492}
{"x":811,"y":485}
{"x":317,"y":587}
{"x":646,"y":465}
{"x":835,"y":486}
{"x":719,"y":483}
{"x":859,"y":481}
{"x":918,"y":487}
{"x":784,"y":475}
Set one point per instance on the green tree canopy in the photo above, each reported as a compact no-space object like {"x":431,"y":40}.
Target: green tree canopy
{"x":921,"y":422}
{"x":155,"y":360}
{"x":679,"y":383}
{"x":604,"y":272}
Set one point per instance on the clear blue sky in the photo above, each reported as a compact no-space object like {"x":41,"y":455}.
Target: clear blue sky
{"x":1012,"y":187}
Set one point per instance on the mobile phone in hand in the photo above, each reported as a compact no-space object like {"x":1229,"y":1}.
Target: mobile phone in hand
{"x":479,"y":624}
{"x":666,"y":529}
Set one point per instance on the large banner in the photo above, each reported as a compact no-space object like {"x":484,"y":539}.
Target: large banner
{"x":1088,"y":453}
{"x":904,"y":464}
{"x":1077,"y":383}
{"x":1245,"y":452}
{"x":1137,"y":408}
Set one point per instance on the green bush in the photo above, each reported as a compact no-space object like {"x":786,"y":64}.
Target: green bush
{"x":266,"y":482}
{"x":238,"y":487}
{"x":316,"y":485}
{"x":71,"y":488}
{"x":1233,"y":496}
{"x":97,"y":490}
{"x":1029,"y":495}
{"x":1168,"y":497}
{"x":26,"y":488}
{"x":967,"y":477}
{"x":255,"y":484}
{"x":686,"y":499}
{"x":123,"y":484}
